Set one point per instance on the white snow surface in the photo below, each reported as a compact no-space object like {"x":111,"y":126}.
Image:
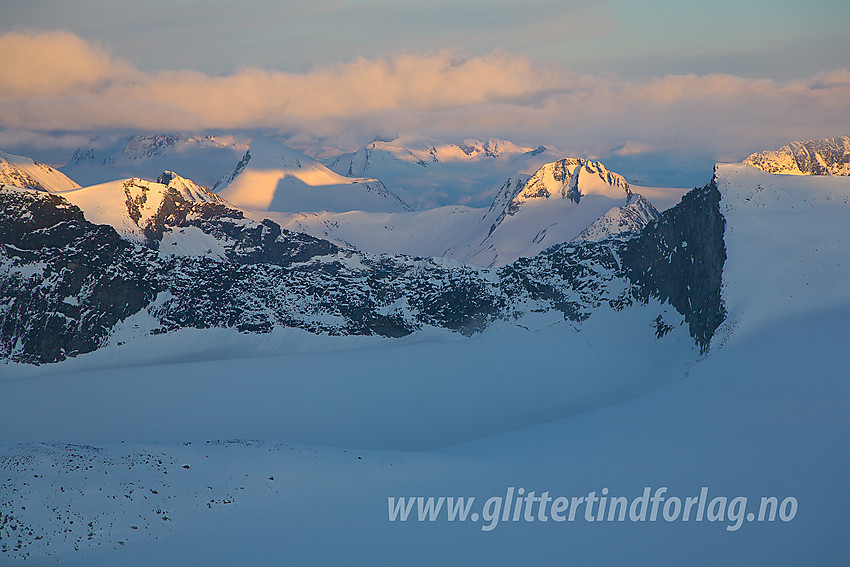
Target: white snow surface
{"x":20,"y":171}
{"x":107,"y":203}
{"x":350,"y":396}
{"x":787,"y":244}
{"x":429,"y":173}
{"x":278,"y":178}
{"x":527,"y":216}
{"x":555,"y":409}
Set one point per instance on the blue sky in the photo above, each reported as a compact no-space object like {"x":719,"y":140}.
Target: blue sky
{"x":765,"y":38}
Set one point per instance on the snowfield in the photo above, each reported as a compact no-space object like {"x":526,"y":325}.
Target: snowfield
{"x":161,"y":453}
{"x":273,"y":177}
{"x":22,"y":171}
{"x":430,"y":173}
{"x":415,"y":396}
{"x":802,"y":262}
{"x":564,"y":200}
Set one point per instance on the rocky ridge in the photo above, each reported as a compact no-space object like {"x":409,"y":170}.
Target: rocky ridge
{"x":66,"y":282}
{"x":824,"y":156}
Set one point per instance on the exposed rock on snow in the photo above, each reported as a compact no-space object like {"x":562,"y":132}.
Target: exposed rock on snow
{"x":201,"y":157}
{"x":825,"y":156}
{"x":78,"y":279}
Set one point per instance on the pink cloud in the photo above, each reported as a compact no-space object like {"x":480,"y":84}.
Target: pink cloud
{"x":56,"y":81}
{"x":59,"y":81}
{"x":42,"y":64}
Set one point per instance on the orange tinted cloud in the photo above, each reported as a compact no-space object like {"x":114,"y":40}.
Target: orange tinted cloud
{"x":56,"y":81}
{"x":38,"y":64}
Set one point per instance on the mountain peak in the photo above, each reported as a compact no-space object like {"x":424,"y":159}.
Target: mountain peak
{"x":29,"y":174}
{"x":144,"y":211}
{"x":429,"y":173}
{"x":564,"y":200}
{"x":274,"y":177}
{"x":570,"y":178}
{"x":824,"y":156}
{"x":203,"y":157}
{"x":188,"y":189}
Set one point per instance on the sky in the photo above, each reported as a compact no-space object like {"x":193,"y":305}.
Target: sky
{"x":683,"y":82}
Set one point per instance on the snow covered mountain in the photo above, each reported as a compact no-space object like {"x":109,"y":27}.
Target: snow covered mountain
{"x":565,"y":200}
{"x":166,"y":211}
{"x":690,"y":359}
{"x":562,"y":201}
{"x":271,"y":176}
{"x":176,"y":217}
{"x":277,"y":182}
{"x":825,"y":156}
{"x":430,"y":173}
{"x":203,"y":158}
{"x":21,"y":171}
{"x":62,"y":272}
{"x":274,"y":177}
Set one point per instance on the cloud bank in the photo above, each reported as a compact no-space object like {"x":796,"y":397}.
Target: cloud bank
{"x":55,"y":81}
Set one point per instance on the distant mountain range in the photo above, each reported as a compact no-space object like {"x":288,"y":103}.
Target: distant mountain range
{"x":557,"y":202}
{"x":424,"y":173}
{"x":826,"y":156}
{"x":273,"y":177}
{"x":430,"y":173}
{"x":565,"y":200}
{"x":153,"y":257}
{"x":202,"y":158}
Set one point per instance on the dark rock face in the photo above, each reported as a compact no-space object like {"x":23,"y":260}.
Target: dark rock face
{"x":244,"y":241}
{"x":504,"y":201}
{"x":679,"y":259}
{"x":240,"y":167}
{"x":176,"y":211}
{"x":268,"y":243}
{"x":574,"y":278}
{"x":65,"y":282}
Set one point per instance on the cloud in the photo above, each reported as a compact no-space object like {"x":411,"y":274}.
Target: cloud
{"x":630,"y":148}
{"x":10,"y":138}
{"x":40,"y":64}
{"x":56,"y":81}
